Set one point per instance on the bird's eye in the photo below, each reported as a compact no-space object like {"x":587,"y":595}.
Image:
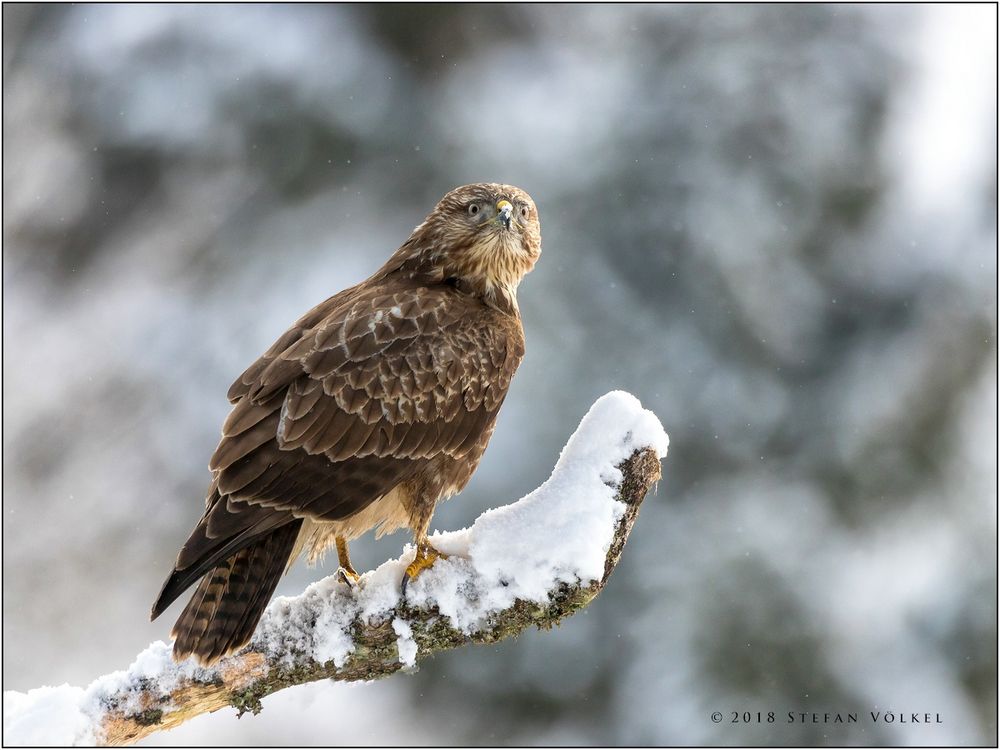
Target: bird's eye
{"x":524,"y":212}
{"x":474,"y":208}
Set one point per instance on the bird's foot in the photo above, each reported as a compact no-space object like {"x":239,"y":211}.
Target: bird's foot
{"x":349,"y":576}
{"x":425,"y":558}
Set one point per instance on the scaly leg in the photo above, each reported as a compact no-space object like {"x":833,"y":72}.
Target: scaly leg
{"x":346,"y":572}
{"x":426,"y":554}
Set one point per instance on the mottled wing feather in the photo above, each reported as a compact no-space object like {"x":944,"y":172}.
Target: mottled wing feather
{"x":251,"y":376}
{"x":390,"y":381}
{"x":377,"y":376}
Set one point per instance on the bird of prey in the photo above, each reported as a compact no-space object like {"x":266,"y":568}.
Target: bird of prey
{"x":374,"y":406}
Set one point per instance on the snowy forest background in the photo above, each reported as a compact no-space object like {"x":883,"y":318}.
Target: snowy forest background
{"x":775,"y":225}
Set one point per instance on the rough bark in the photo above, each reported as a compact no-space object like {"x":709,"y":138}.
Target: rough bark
{"x":242,"y":680}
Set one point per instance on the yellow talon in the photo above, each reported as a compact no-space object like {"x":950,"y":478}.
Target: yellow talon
{"x":425,"y":558}
{"x":348,"y":575}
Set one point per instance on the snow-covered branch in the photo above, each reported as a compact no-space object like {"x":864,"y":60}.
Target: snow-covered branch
{"x":532,"y":562}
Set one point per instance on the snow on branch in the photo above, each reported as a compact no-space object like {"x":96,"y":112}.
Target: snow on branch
{"x":532,"y":562}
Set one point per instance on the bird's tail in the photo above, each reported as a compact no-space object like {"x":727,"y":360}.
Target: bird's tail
{"x":229,"y":601}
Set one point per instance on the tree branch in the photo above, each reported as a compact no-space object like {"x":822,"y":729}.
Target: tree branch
{"x":489,"y":590}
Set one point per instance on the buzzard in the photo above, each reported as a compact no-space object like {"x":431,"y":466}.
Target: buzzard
{"x":374,"y":406}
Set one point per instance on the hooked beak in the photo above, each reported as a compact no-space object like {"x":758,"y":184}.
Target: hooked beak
{"x":504,"y":212}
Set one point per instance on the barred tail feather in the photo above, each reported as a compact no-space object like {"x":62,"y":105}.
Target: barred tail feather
{"x":229,"y":601}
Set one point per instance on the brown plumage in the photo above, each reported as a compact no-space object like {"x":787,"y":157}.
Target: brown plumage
{"x":377,"y":404}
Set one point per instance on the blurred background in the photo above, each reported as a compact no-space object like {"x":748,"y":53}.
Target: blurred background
{"x":776,"y":226}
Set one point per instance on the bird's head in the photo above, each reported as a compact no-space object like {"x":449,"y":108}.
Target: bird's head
{"x":484,"y":236}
